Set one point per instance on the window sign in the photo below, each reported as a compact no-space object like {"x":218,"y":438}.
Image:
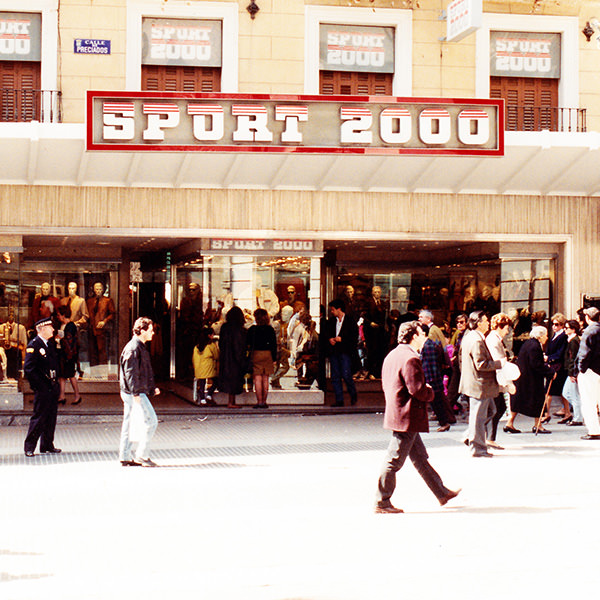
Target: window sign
{"x":182,"y":42}
{"x":350,"y":48}
{"x":20,"y":36}
{"x":525,"y":54}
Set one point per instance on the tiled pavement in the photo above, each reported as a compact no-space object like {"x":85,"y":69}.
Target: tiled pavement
{"x":280,"y":508}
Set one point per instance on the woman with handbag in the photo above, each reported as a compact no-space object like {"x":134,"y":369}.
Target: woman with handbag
{"x":262,"y":348}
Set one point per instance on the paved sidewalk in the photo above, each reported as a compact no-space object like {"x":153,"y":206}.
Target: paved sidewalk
{"x":280,"y":508}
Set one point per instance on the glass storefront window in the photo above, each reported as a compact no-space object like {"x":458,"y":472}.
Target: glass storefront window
{"x":91,"y":292}
{"x":209,"y":287}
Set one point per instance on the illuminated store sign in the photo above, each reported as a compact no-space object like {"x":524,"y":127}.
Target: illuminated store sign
{"x":184,"y":122}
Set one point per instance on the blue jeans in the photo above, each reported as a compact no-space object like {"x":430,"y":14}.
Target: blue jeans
{"x":341,"y":368}
{"x":571,"y":393}
{"x":150,"y":421}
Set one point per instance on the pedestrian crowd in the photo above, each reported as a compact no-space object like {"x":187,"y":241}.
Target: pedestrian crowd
{"x":487,"y":369}
{"x":481,"y":367}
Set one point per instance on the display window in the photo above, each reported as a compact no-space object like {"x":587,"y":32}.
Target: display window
{"x":90,"y":291}
{"x":208,"y":287}
{"x":382,"y":296}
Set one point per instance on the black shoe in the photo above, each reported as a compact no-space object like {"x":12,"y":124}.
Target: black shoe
{"x":508,"y":429}
{"x":130,"y":463}
{"x":261,"y":406}
{"x":78,"y":401}
{"x":542,"y":430}
{"x":51,"y":451}
{"x":62,"y":401}
{"x":575,"y":424}
{"x":29,"y":453}
{"x":566,"y":420}
{"x":591,"y":436}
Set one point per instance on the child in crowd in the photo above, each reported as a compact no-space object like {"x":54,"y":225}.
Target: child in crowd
{"x":206,"y":367}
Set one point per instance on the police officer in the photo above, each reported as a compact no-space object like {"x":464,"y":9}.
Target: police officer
{"x":41,"y":370}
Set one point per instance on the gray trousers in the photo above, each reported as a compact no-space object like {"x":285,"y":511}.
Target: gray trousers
{"x":402,"y":445}
{"x":478,"y":415}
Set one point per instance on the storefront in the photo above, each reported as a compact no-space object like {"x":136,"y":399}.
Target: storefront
{"x":425,"y":212}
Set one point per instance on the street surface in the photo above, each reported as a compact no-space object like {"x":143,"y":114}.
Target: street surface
{"x":281,"y":508}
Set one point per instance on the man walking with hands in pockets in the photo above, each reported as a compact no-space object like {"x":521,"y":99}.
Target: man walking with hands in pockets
{"x":407,"y":395}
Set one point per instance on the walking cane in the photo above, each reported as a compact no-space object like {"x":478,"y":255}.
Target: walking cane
{"x":546,"y":398}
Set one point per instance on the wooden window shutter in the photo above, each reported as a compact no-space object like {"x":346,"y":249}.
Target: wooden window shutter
{"x":531,"y":103}
{"x":181,"y":79}
{"x":350,"y":83}
{"x":20,"y":96}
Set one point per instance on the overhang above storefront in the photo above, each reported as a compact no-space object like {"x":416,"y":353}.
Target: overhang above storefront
{"x":540,"y":163}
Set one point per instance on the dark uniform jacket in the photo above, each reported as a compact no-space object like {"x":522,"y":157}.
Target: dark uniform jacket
{"x":41,"y":364}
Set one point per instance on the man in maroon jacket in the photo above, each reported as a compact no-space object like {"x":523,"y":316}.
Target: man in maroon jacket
{"x":406,"y":397}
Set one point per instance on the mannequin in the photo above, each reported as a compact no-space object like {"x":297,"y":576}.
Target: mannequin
{"x":350,"y":302}
{"x":45,"y":305}
{"x":101,"y":309}
{"x":283,"y":353}
{"x":374,"y":329}
{"x":14,"y":340}
{"x":267,"y":299}
{"x":292,"y":299}
{"x":79,"y":311}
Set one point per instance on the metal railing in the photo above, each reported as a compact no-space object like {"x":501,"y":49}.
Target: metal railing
{"x":30,"y":105}
{"x":538,"y":118}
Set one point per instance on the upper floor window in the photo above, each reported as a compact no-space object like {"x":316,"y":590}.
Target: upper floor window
{"x":356,"y":60}
{"x":20,"y":66}
{"x":358,"y":51}
{"x":181,"y":55}
{"x":532,"y":63}
{"x":525,"y":71}
{"x":181,"y":45}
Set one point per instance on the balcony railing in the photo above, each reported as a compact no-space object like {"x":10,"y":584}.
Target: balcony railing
{"x":552,"y":118}
{"x":30,"y":105}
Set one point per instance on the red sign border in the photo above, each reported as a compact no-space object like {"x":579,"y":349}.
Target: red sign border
{"x":92,"y":94}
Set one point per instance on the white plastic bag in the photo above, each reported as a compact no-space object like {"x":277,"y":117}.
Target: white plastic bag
{"x":136,"y":422}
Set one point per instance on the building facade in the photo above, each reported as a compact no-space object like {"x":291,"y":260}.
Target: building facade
{"x":182,"y":235}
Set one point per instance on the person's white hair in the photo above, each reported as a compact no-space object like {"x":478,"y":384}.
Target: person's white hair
{"x":426,"y":313}
{"x":538,"y":332}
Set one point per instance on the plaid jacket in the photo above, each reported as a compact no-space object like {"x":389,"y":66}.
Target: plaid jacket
{"x":432,"y":357}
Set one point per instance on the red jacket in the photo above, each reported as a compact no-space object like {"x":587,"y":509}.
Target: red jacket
{"x":406,"y":391}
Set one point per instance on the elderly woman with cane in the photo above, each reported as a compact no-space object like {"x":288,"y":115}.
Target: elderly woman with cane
{"x":530,"y":395}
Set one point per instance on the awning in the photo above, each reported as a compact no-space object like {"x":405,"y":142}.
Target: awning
{"x":538,"y":163}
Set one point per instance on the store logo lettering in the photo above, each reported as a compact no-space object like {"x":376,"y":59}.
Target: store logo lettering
{"x":15,"y":37}
{"x":358,"y":125}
